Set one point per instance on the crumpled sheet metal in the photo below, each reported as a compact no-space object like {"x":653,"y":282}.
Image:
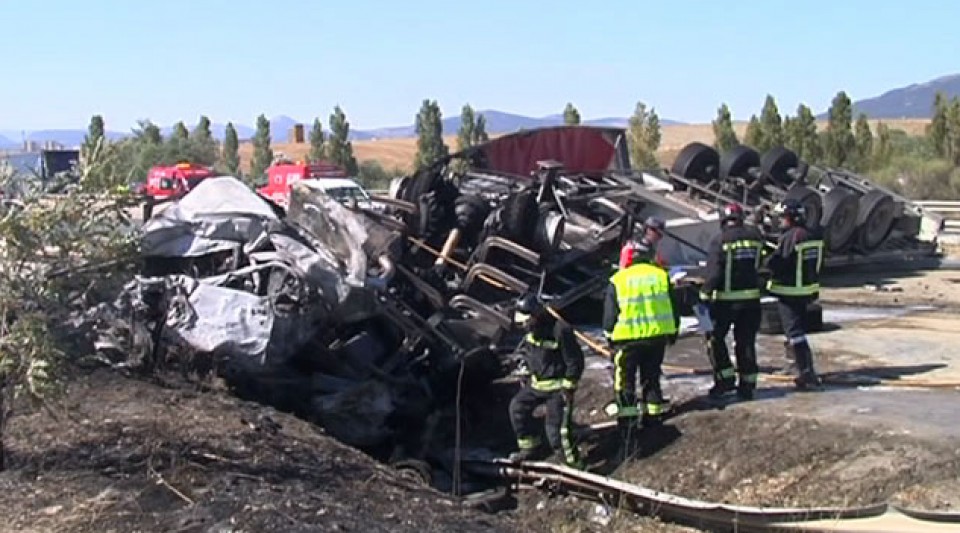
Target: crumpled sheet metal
{"x":218,"y":320}
{"x":216,"y":216}
{"x":319,"y":269}
{"x":334,"y":227}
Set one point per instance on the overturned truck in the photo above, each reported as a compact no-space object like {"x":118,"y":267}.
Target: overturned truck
{"x":379,"y":324}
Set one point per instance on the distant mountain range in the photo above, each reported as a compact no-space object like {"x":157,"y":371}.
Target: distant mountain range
{"x":912,"y":101}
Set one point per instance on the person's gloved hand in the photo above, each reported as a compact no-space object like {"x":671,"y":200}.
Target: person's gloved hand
{"x":672,"y":339}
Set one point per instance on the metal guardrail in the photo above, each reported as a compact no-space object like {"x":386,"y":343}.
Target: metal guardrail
{"x":949,"y":211}
{"x":940,"y":206}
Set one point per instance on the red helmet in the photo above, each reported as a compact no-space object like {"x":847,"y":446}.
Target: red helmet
{"x":731,"y":213}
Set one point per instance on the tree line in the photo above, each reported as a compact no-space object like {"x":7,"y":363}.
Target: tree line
{"x":148,"y":147}
{"x":643,"y":131}
{"x":927,"y":166}
{"x":923,"y":167}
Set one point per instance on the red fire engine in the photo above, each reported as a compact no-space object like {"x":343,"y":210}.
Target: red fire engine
{"x":170,"y":182}
{"x":282,"y":175}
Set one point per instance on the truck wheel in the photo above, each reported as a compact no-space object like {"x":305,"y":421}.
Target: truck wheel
{"x":812,"y":203}
{"x":430,"y":215}
{"x":737,"y":162}
{"x":414,"y":470}
{"x":520,"y":216}
{"x":875,"y":217}
{"x":777,"y":162}
{"x":471,"y":211}
{"x":839,"y":219}
{"x":697,"y":162}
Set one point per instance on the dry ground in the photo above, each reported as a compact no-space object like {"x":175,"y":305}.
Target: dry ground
{"x":399,"y":153}
{"x":131,"y":455}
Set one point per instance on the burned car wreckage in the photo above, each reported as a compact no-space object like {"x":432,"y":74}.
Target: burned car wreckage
{"x":375,"y":323}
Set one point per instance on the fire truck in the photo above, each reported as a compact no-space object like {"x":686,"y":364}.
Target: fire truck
{"x":329,"y":177}
{"x":165,"y":183}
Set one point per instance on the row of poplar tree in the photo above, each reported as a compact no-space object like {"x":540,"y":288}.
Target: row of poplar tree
{"x":644,"y":133}
{"x":148,"y":147}
{"x":921,"y":166}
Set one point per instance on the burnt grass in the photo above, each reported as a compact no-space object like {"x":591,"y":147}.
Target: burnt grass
{"x":128,"y":455}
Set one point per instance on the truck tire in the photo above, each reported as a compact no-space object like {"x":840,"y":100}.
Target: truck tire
{"x":777,"y":162}
{"x":520,"y":216}
{"x":697,"y":162}
{"x":471,"y":212}
{"x":839,"y":220}
{"x":875,"y":218}
{"x":414,"y":470}
{"x":812,"y":203}
{"x":430,"y":215}
{"x":737,"y":161}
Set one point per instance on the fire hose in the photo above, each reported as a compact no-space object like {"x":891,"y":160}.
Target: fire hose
{"x":878,"y":518}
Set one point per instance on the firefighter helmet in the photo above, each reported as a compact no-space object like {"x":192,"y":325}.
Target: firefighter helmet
{"x":793,"y":211}
{"x":654,"y":223}
{"x":528,"y":306}
{"x":731,"y":213}
{"x":641,"y":251}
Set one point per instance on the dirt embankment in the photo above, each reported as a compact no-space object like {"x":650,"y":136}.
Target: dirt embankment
{"x":753,"y":458}
{"x":133,"y":456}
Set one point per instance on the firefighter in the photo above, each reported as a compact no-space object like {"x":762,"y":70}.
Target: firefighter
{"x":653,"y":228}
{"x":731,"y":289}
{"x":554,"y":361}
{"x":795,"y":281}
{"x":640,"y":318}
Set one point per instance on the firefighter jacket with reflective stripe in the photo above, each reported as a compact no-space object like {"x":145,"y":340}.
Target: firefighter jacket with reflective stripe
{"x":732,"y":263}
{"x":795,"y":265}
{"x":640,"y":305}
{"x":554,"y":358}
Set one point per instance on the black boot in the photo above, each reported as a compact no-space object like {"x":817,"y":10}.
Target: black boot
{"x":808,"y":379}
{"x":722,"y":387}
{"x":529,"y":454}
{"x":745,"y":392}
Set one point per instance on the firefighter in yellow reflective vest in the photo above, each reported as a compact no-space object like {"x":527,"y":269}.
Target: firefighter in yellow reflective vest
{"x":640,"y":318}
{"x":732,"y":290}
{"x":555,"y":363}
{"x":795,"y":281}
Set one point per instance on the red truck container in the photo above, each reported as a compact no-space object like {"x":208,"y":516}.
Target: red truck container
{"x":283,"y":175}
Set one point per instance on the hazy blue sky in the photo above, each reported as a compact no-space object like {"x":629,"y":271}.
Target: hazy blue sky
{"x":64,"y":60}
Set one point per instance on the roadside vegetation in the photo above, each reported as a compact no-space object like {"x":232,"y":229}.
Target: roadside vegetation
{"x":60,"y":255}
{"x":922,"y":167}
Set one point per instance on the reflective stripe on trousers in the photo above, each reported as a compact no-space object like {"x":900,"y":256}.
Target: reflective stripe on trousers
{"x":571,"y":454}
{"x":527,"y":443}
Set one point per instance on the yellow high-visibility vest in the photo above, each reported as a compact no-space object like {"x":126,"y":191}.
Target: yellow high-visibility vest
{"x":643,"y":296}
